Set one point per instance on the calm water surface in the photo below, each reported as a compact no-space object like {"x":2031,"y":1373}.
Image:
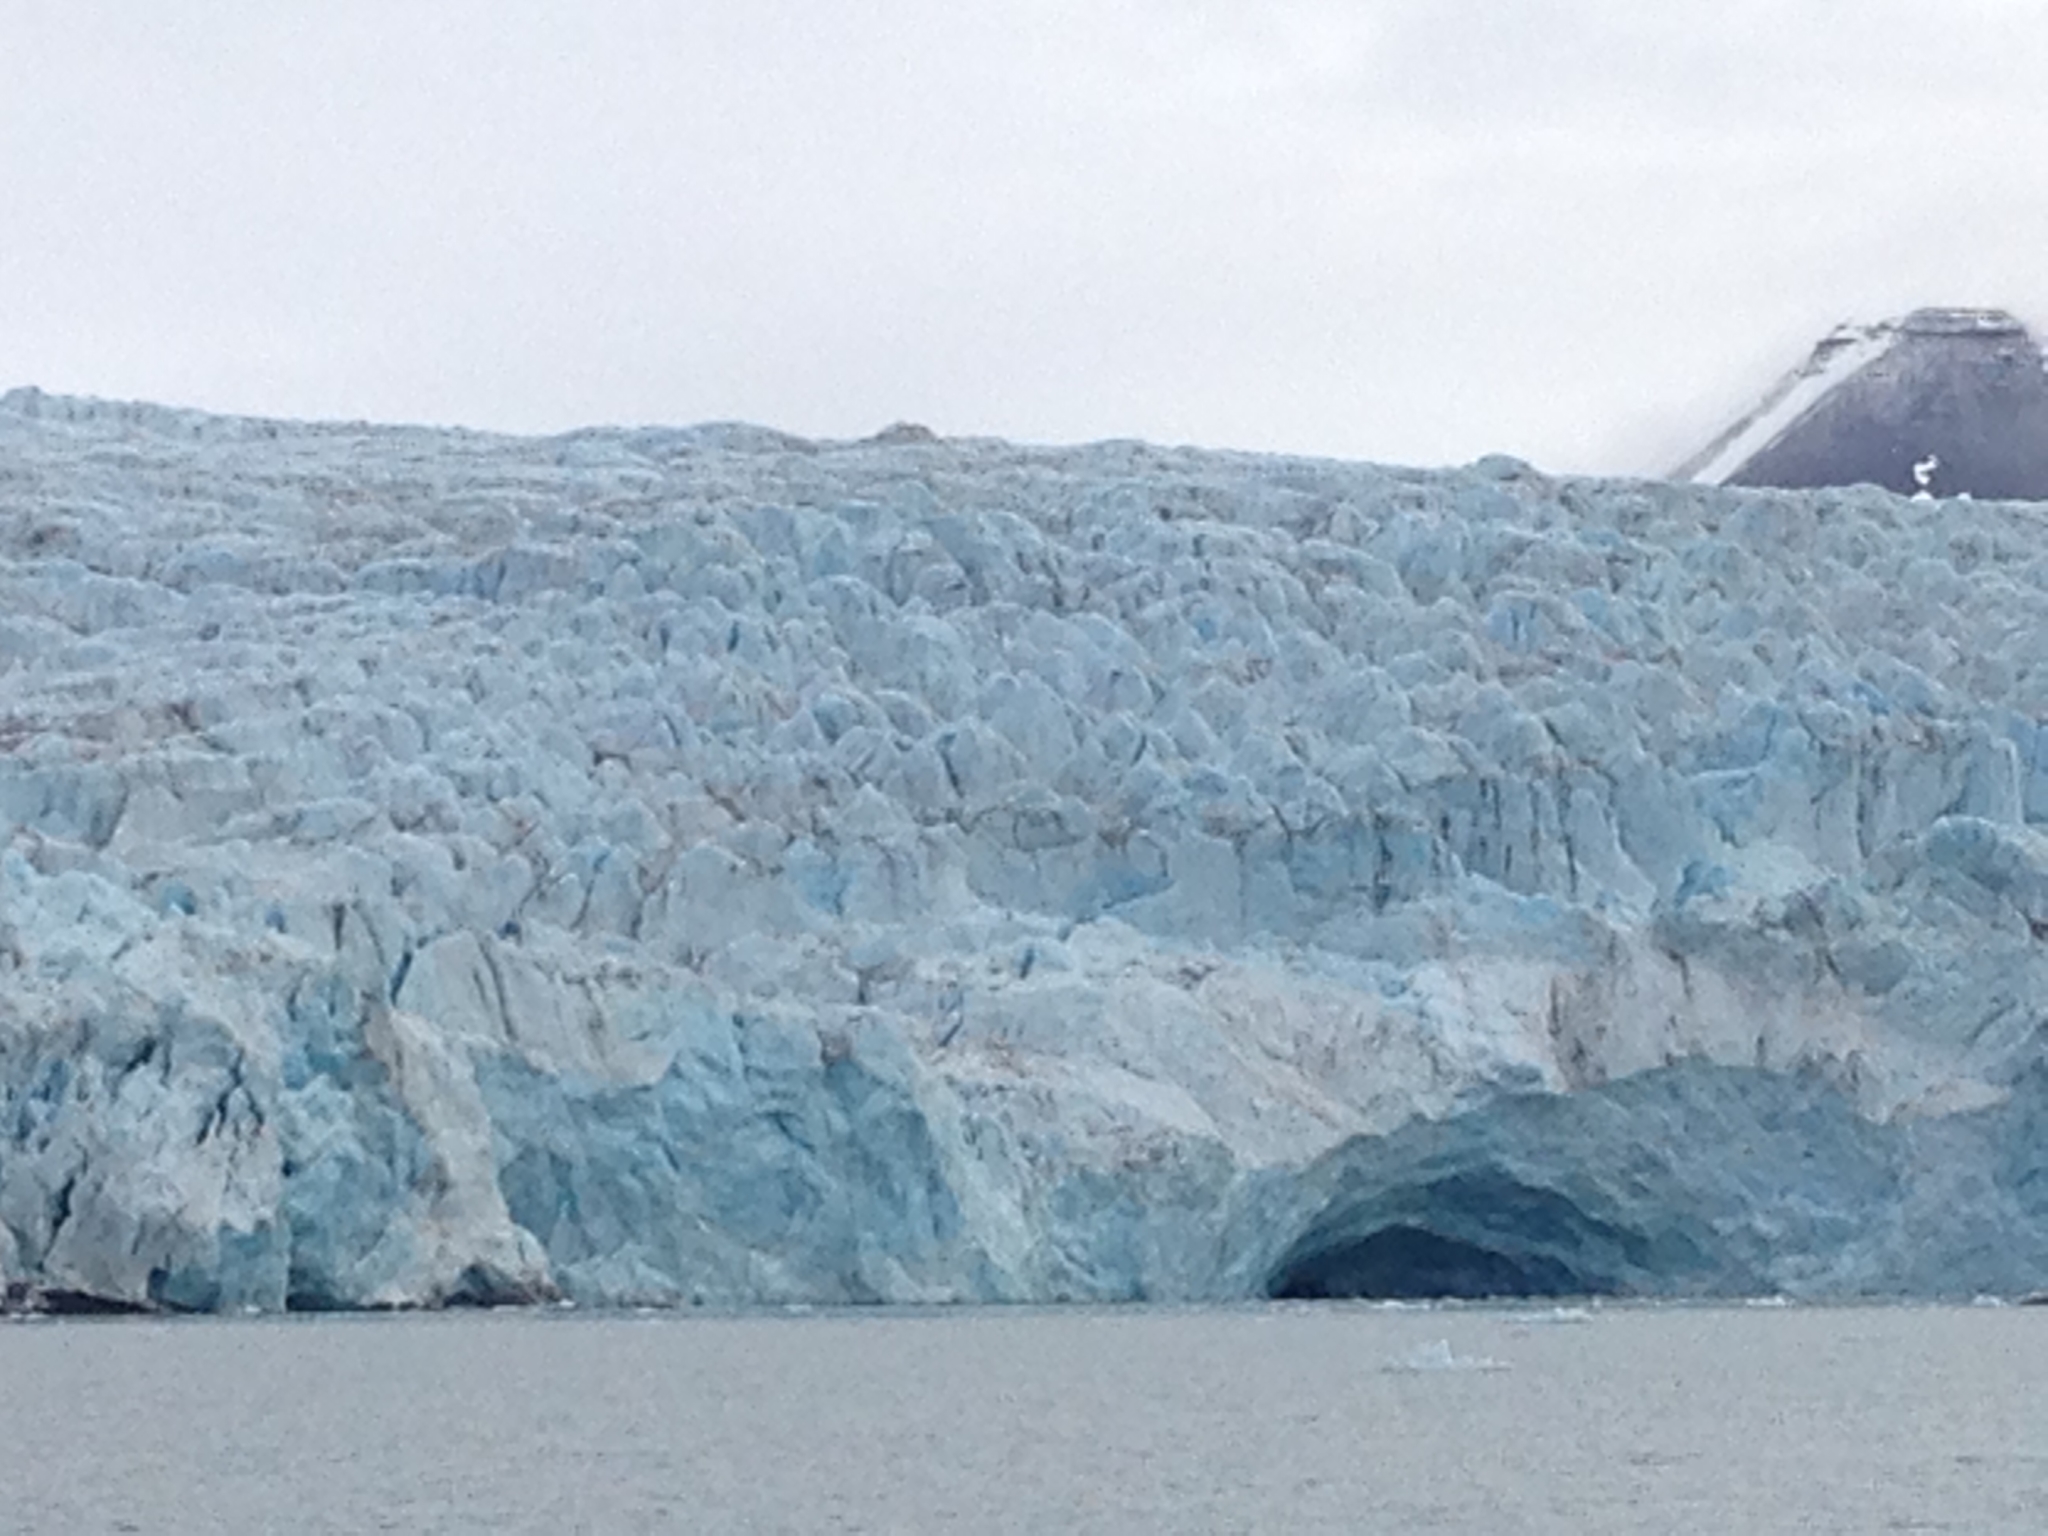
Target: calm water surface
{"x":1276,"y":1419}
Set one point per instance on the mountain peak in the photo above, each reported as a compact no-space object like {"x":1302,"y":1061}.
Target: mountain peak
{"x":1960,"y":322}
{"x":1947,"y":401}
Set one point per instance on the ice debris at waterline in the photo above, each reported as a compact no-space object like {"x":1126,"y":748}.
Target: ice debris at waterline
{"x":1437,"y":1355}
{"x":707,"y":865}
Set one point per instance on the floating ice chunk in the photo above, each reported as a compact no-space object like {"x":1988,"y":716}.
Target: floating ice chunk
{"x":1552,"y":1316}
{"x":1437,"y":1355}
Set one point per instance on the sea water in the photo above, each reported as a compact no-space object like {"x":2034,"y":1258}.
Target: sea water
{"x":1261,"y":1419}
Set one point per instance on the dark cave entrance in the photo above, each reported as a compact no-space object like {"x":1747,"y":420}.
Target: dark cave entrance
{"x":1467,"y":1235}
{"x":1403,"y":1263}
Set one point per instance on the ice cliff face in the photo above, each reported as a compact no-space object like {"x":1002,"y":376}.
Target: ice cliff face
{"x":707,"y":865}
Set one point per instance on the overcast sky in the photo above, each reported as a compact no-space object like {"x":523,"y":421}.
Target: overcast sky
{"x":1582,"y":231}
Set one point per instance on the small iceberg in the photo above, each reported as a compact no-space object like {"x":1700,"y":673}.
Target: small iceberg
{"x":1437,"y":1355}
{"x":1553,"y":1315}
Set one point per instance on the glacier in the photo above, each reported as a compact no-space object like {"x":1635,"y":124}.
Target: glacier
{"x":709,"y":866}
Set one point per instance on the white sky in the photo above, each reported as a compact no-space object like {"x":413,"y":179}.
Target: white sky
{"x":1583,"y":231}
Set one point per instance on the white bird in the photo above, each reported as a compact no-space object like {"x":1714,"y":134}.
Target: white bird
{"x":1923,"y":472}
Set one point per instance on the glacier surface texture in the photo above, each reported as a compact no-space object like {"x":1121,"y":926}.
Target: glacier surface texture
{"x":671,"y":866}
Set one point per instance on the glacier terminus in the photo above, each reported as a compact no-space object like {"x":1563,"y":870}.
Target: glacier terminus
{"x":671,"y":866}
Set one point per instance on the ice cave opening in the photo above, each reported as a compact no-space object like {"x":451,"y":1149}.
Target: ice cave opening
{"x":1408,"y":1263}
{"x":1469,"y":1235}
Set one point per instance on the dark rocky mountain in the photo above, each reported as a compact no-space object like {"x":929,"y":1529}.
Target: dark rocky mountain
{"x":1949,"y":401}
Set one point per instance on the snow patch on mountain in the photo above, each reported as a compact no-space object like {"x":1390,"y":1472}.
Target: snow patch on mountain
{"x":1844,"y":353}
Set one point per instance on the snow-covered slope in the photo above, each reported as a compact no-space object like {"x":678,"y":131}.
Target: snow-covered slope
{"x":702,"y":864}
{"x":1842,"y":354}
